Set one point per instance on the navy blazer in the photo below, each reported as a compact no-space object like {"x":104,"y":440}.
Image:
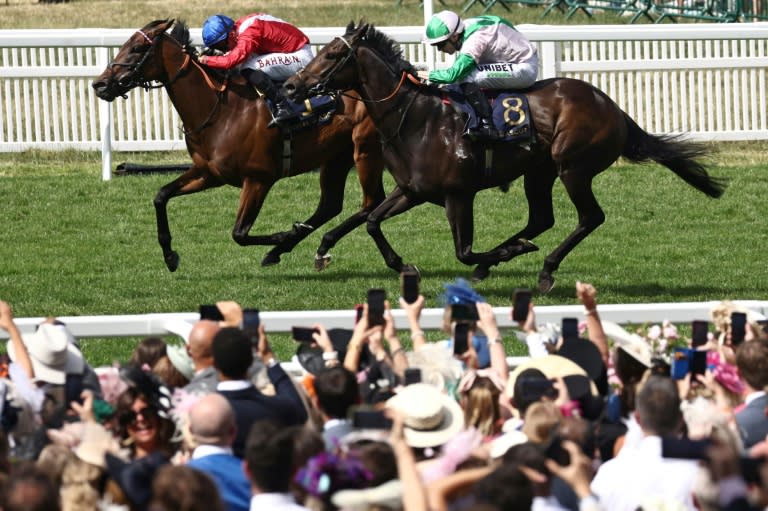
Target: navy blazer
{"x":752,"y":422}
{"x":250,"y":405}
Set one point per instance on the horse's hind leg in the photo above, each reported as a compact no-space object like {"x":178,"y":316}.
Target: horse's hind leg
{"x":578,"y":184}
{"x":395,"y":203}
{"x":192,"y":181}
{"x":541,"y":216}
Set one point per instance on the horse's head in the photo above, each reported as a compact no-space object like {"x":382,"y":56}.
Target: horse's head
{"x":136,"y":64}
{"x":333,"y":68}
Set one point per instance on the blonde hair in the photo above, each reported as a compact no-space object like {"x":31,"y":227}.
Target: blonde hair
{"x":52,"y":461}
{"x":541,"y":419}
{"x":481,"y":406}
{"x":78,"y":486}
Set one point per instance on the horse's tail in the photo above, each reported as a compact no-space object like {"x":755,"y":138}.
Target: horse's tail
{"x":675,"y":153}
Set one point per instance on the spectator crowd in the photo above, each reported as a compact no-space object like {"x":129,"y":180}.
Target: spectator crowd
{"x":596,"y":418}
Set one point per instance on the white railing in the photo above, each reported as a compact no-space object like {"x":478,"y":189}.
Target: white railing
{"x":708,"y":80}
{"x":141,"y":325}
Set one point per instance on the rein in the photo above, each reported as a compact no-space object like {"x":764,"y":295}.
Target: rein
{"x":139,"y":81}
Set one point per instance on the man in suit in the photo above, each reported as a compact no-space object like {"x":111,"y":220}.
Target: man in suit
{"x":752,"y":363}
{"x":213,"y":429}
{"x":199,"y":349}
{"x":336,"y":391}
{"x":232,"y":357}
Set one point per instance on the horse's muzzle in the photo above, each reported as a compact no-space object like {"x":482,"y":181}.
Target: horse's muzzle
{"x":102,"y":90}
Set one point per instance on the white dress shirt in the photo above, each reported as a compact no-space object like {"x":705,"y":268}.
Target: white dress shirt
{"x":639,"y":476}
{"x":275,"y":502}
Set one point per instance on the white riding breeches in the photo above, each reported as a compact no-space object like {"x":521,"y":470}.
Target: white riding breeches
{"x":280,"y":66}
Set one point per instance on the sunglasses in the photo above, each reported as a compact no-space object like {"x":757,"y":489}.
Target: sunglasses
{"x":128,"y":418}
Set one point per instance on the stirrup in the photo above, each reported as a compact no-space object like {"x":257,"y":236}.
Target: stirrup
{"x":280,"y":117}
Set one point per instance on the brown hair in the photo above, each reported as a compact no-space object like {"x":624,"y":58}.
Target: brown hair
{"x":181,"y":488}
{"x":148,"y":351}
{"x":166,"y":371}
{"x":752,"y":362}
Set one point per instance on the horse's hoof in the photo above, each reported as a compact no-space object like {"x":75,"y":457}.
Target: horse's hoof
{"x":546,"y":283}
{"x":270,"y":259}
{"x":480,"y":273}
{"x":411,"y":268}
{"x":172,"y":261}
{"x":322,"y":261}
{"x":527,"y":246}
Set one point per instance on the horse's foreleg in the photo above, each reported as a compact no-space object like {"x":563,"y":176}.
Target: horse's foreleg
{"x":251,"y":200}
{"x":333,"y":176}
{"x":395,"y":203}
{"x":591,"y":216}
{"x":369,"y":174}
{"x":458,"y":209}
{"x":192,"y":181}
{"x":541,"y":217}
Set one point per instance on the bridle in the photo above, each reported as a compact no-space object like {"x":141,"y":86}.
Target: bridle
{"x":136,"y":79}
{"x":322,"y":83}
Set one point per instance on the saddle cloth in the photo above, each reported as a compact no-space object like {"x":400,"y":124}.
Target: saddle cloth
{"x":511,"y":114}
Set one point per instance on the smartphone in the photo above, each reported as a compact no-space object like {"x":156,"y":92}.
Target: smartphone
{"x":569,"y":328}
{"x":370,"y":419}
{"x":211,"y":312}
{"x":699,"y":330}
{"x":684,"y":448}
{"x":556,"y":452}
{"x":302,"y":334}
{"x":738,"y":327}
{"x":460,"y":338}
{"x":521,"y":300}
{"x":358,"y":312}
{"x":376,"y":299}
{"x":698,"y":363}
{"x":412,"y":375}
{"x":464,"y":312}
{"x":681,"y":363}
{"x":251,"y":322}
{"x":409,"y":286}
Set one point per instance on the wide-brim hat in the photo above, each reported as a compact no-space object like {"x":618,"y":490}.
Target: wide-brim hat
{"x":431,"y":417}
{"x":52,"y":352}
{"x":553,"y":366}
{"x":95,"y":443}
{"x":632,"y":344}
{"x":135,"y":477}
{"x":388,"y":495}
{"x":181,"y":360}
{"x":584,"y":353}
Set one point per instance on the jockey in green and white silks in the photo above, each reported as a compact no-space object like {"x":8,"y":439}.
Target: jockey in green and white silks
{"x":490,"y":52}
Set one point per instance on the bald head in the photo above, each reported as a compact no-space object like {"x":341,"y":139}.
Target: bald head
{"x":212,"y":421}
{"x":199,"y":344}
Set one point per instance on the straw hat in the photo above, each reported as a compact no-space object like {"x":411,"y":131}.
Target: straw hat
{"x":632,"y":344}
{"x":431,"y":417}
{"x":53,"y":353}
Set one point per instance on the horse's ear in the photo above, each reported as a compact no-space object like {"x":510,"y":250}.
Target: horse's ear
{"x":369,"y":30}
{"x":350,"y":28}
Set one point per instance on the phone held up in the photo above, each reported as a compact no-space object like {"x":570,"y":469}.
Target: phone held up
{"x":699,"y":330}
{"x":460,"y":338}
{"x":211,"y":312}
{"x":461,"y":312}
{"x":569,"y":328}
{"x":521,"y":301}
{"x":303,"y":334}
{"x":370,"y":419}
{"x":409,"y":286}
{"x":376,"y":299}
{"x":412,"y":375}
{"x":738,"y":328}
{"x":251,"y":322}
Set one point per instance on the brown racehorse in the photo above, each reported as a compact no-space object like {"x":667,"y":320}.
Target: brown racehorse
{"x":579,"y":132}
{"x":229,"y":142}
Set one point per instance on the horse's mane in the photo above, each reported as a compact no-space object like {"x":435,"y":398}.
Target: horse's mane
{"x":180,"y":32}
{"x":384,"y":45}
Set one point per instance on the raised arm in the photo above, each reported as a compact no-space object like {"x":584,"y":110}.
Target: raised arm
{"x":487,"y":323}
{"x":586,"y":294}
{"x":19,"y":349}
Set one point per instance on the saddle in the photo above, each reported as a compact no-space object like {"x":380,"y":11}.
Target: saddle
{"x":510,"y":113}
{"x":312,"y":112}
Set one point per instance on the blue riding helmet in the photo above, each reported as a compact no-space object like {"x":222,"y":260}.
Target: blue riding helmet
{"x":216,"y":28}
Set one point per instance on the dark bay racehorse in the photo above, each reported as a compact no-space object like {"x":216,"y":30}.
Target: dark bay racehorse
{"x":579,"y":132}
{"x":229,"y":142}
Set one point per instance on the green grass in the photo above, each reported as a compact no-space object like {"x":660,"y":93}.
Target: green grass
{"x":74,"y":245}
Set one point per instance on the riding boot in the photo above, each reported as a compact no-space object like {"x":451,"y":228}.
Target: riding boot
{"x":477,"y":99}
{"x":264,"y":83}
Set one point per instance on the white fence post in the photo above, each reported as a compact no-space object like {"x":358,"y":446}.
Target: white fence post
{"x":105,"y":122}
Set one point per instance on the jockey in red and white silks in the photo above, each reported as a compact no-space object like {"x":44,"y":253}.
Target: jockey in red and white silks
{"x":266,"y":43}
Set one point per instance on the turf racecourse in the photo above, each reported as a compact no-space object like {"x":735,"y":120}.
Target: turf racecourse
{"x":74,"y":245}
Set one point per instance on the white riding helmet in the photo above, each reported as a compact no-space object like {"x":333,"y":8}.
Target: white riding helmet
{"x":443,"y":25}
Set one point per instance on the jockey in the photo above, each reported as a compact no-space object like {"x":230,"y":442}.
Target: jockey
{"x":490,"y":54}
{"x":263,"y":47}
